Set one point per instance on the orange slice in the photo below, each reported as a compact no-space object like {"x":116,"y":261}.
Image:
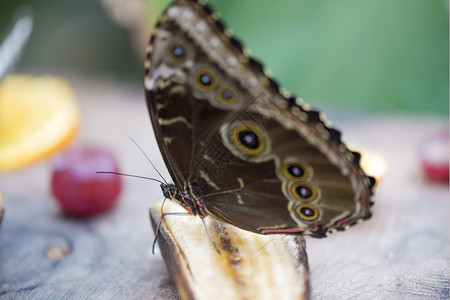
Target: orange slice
{"x":38,"y":115}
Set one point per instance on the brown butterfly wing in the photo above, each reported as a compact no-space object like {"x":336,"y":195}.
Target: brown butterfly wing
{"x":264,"y":197}
{"x":252,"y":155}
{"x":179,"y":105}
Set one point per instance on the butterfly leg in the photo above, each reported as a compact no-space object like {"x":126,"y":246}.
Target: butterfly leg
{"x":162,"y":205}
{"x":159,"y":224}
{"x":209,"y":234}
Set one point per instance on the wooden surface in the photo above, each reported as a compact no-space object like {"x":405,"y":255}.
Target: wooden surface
{"x":401,"y":253}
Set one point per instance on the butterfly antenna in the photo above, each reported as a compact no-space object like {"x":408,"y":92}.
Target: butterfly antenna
{"x":209,"y":235}
{"x":137,"y":145}
{"x":129,"y":175}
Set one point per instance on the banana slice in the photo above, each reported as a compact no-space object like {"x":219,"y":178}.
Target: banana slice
{"x":249,"y":266}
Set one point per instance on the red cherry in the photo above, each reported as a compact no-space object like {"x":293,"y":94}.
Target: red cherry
{"x":78,"y":189}
{"x":434,"y":156}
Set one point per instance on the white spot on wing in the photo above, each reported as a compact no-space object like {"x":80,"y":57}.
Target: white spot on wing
{"x":209,"y":159}
{"x":187,"y":15}
{"x":168,"y":140}
{"x":173,"y":11}
{"x":241,"y":182}
{"x":239,"y":198}
{"x":214,"y":42}
{"x":160,"y":106}
{"x":251,"y":82}
{"x":168,"y":122}
{"x":209,"y":181}
{"x":232,"y":60}
{"x":200,"y":26}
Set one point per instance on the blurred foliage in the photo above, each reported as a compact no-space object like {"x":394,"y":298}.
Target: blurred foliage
{"x":374,"y":54}
{"x":377,"y":55}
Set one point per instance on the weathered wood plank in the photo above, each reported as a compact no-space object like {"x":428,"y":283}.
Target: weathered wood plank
{"x":402,"y":252}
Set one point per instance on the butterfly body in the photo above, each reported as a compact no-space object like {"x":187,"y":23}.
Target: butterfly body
{"x":238,"y":147}
{"x":193,"y":206}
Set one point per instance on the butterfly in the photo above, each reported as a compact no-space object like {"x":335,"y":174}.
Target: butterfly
{"x":238,"y":147}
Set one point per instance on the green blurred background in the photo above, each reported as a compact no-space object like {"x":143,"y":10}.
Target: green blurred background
{"x":349,"y":55}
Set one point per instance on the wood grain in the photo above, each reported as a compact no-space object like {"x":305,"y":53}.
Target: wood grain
{"x":401,"y":253}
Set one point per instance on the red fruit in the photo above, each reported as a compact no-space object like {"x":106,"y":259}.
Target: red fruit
{"x":77,"y":187}
{"x":434,"y":156}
